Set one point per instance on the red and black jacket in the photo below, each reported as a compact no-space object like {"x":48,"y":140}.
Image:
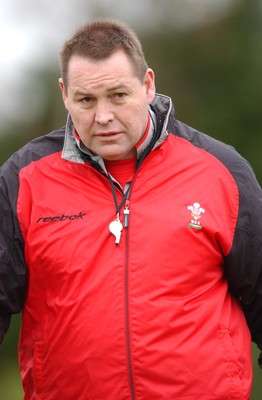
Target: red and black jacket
{"x":160,"y":314}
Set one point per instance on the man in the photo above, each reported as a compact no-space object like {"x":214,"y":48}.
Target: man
{"x":131,"y":242}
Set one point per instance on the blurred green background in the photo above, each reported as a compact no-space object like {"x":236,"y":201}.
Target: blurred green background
{"x":207,"y":55}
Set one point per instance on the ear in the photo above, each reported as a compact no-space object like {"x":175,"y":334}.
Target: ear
{"x":149,"y":82}
{"x":63,"y":90}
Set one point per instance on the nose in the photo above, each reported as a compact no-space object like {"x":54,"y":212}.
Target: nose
{"x":103,"y":114}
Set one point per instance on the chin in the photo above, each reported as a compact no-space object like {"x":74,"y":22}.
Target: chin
{"x":117,"y":154}
{"x":112,"y":157}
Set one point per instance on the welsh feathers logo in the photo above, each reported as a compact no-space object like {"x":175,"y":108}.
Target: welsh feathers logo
{"x":196,"y":213}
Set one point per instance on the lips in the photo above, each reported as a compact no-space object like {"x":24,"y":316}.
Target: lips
{"x":107,"y":134}
{"x":111,"y":136}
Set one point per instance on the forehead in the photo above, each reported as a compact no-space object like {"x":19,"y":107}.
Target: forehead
{"x":116,"y":66}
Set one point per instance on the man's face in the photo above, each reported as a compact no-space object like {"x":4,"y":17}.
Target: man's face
{"x":108,"y":104}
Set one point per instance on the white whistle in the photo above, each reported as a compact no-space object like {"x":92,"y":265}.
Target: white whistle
{"x":115,"y":228}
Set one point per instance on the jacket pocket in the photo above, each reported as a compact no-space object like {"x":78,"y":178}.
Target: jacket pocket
{"x":37,"y":370}
{"x":31,"y":370}
{"x":234,"y":370}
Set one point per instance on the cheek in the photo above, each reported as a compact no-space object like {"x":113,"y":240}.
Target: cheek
{"x":140,"y":115}
{"x":80,"y":117}
{"x":138,"y":112}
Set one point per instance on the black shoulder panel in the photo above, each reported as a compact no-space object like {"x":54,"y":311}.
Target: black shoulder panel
{"x":13,"y":273}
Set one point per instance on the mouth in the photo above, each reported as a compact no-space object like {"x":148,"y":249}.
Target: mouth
{"x":108,"y":135}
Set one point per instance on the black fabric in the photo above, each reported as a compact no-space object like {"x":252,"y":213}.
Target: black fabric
{"x":13,"y":271}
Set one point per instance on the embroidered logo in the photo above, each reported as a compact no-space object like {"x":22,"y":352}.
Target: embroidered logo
{"x":196,"y":211}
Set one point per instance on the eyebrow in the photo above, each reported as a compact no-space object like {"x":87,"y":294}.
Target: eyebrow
{"x":81,"y":93}
{"x":118,"y":87}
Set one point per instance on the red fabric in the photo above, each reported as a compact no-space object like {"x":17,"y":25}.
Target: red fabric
{"x":122,"y":170}
{"x":151,"y":316}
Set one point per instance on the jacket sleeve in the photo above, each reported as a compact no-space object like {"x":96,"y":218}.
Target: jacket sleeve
{"x":13,"y":277}
{"x":244,"y":262}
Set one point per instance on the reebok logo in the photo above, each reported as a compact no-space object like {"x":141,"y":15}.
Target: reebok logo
{"x":63,"y":217}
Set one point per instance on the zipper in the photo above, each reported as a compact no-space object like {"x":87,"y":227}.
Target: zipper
{"x":126,"y":214}
{"x":126,"y":221}
{"x":127,"y":311}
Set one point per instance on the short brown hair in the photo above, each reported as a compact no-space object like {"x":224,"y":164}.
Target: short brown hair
{"x":98,"y":40}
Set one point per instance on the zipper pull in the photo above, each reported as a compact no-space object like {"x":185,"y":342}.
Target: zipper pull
{"x":126,"y":214}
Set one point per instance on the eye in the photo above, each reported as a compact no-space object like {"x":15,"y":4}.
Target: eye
{"x":86,"y":100}
{"x":118,"y":96}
